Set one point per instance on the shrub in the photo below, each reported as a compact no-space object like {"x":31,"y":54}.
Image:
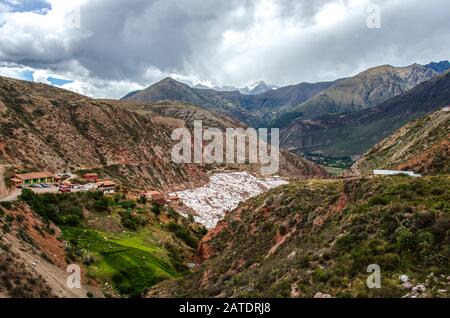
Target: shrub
{"x":7,"y":205}
{"x":156,"y":209}
{"x":378,"y":200}
{"x":405,"y":239}
{"x":182,"y":233}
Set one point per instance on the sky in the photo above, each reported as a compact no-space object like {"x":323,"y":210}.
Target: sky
{"x":107,"y":48}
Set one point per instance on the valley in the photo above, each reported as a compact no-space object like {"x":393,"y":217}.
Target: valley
{"x":139,"y":225}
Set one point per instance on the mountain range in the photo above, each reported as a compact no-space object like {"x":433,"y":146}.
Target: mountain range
{"x":255,"y":88}
{"x":304,"y":112}
{"x":43,"y":127}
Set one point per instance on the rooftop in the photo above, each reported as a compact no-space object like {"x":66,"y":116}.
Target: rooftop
{"x":34,"y":175}
{"x":105,"y":183}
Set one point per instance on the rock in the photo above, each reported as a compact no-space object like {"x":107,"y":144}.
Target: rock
{"x":292,"y":255}
{"x":404,"y":278}
{"x":419,"y":289}
{"x":407,"y":285}
{"x":322,"y":295}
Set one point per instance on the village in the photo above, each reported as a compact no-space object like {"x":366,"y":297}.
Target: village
{"x":207,"y":204}
{"x":42,"y":182}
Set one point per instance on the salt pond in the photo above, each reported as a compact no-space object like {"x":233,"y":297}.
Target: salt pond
{"x":223,"y":193}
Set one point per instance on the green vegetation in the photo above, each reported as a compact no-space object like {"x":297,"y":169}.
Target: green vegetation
{"x":335,"y":229}
{"x":334,"y":164}
{"x":131,"y":245}
{"x":128,"y":261}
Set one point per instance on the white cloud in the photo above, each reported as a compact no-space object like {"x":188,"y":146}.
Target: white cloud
{"x":125,"y":45}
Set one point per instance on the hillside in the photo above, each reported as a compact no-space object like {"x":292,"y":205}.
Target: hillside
{"x":43,"y":127}
{"x":422,"y":146}
{"x":354,"y":134}
{"x":180,"y":114}
{"x":320,"y":236}
{"x":365,"y":90}
{"x":32,"y":259}
{"x":122,"y":245}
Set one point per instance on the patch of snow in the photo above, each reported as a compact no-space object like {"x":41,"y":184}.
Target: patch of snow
{"x":223,"y":193}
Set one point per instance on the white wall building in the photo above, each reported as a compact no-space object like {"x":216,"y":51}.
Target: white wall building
{"x":396,"y":173}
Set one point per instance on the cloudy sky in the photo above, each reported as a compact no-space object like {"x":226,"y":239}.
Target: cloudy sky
{"x":106,"y":48}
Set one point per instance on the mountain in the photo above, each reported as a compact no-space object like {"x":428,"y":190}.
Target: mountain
{"x":43,"y":127}
{"x":253,"y":110}
{"x":355,"y":133}
{"x":262,"y":105}
{"x":439,"y":67}
{"x":197,"y":86}
{"x":178,"y":114}
{"x":365,"y":90}
{"x":422,"y":146}
{"x":317,"y":238}
{"x":166,"y":89}
{"x":257,"y":88}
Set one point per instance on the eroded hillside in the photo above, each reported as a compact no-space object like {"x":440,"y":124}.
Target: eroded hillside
{"x":319,"y":236}
{"x":422,"y":146}
{"x":52,"y":129}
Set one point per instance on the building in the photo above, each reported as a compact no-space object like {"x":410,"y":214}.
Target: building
{"x":155,"y":196}
{"x":106,"y":186}
{"x":396,"y":173}
{"x":173,"y":198}
{"x":91,"y":177}
{"x":33,"y":178}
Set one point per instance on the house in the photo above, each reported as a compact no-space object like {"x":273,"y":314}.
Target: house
{"x":33,"y":178}
{"x":17,"y":183}
{"x":396,"y":173}
{"x":106,"y":186}
{"x":91,"y":177}
{"x":173,"y":198}
{"x":155,"y":196}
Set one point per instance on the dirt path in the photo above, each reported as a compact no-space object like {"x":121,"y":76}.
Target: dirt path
{"x":12,"y":196}
{"x":54,"y":276}
{"x":3,"y":189}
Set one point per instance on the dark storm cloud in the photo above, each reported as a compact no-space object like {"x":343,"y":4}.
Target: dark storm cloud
{"x":137,"y":42}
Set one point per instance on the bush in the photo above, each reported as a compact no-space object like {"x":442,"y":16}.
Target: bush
{"x":7,"y":205}
{"x":182,"y":233}
{"x":156,"y":209}
{"x":405,"y":239}
{"x":378,"y":200}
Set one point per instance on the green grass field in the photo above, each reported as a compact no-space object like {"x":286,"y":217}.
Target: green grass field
{"x":130,"y":261}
